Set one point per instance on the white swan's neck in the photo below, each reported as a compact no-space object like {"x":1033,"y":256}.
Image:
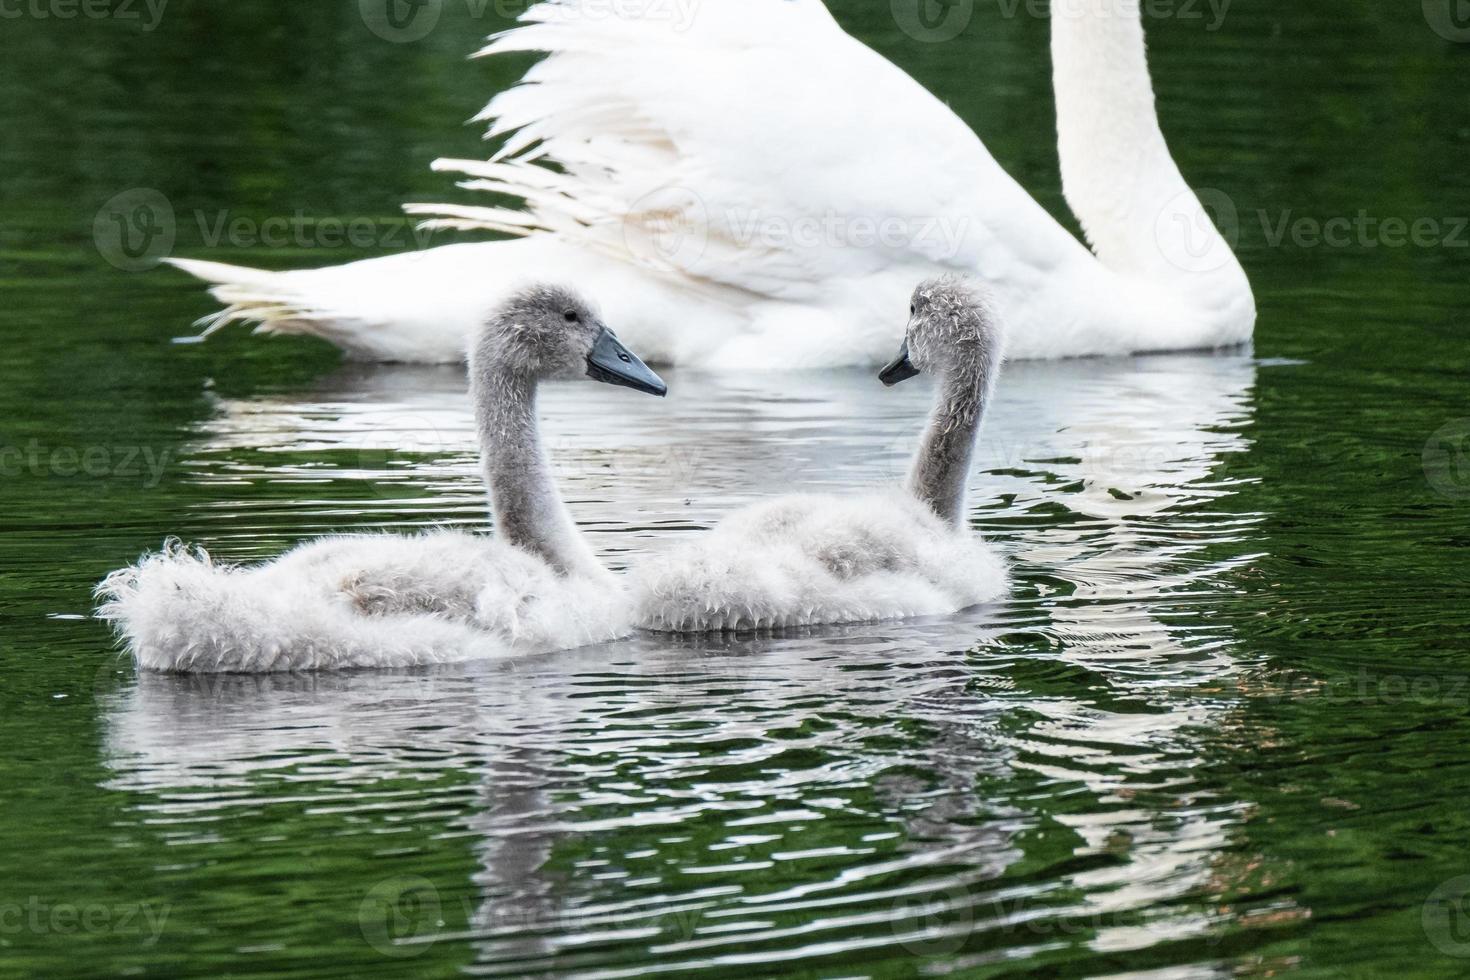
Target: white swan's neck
{"x":528,"y":511}
{"x":941,"y":472}
{"x":1140,"y":216}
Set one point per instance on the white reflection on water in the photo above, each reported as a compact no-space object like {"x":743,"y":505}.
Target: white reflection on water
{"x":954,"y":737}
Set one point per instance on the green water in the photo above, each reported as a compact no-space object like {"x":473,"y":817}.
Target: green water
{"x":1218,"y":729}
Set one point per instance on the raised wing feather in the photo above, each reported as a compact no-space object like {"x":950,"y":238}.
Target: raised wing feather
{"x":766,"y":193}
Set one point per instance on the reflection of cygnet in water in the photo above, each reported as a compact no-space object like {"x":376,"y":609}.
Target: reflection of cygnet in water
{"x":393,"y":601}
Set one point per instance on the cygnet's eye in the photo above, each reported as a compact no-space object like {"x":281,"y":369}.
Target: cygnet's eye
{"x":572,"y":317}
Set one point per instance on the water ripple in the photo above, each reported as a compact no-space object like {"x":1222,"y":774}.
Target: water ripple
{"x":997,"y":784}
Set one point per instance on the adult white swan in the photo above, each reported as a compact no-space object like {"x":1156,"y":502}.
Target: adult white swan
{"x":756,"y":189}
{"x":809,"y":560}
{"x":394,"y":601}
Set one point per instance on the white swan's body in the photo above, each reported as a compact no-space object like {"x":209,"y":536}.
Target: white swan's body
{"x":712,"y":184}
{"x":809,"y":560}
{"x":402,"y":601}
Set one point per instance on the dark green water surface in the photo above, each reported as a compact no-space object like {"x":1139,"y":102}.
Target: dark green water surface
{"x":1222,"y":727}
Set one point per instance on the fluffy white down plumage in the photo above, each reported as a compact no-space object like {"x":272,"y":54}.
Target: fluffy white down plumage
{"x":396,"y":601}
{"x":810,"y":560}
{"x":369,"y":601}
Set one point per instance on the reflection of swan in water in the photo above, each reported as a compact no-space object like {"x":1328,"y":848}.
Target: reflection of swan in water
{"x":873,"y":766}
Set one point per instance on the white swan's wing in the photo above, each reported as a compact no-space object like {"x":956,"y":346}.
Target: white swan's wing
{"x":765,"y":164}
{"x":711,"y":151}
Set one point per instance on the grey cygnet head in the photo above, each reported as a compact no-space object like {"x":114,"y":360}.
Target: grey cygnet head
{"x":548,"y":332}
{"x":953,"y":331}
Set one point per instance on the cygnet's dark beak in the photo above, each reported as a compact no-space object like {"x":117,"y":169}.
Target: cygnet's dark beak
{"x":613,"y":364}
{"x":900,"y":370}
